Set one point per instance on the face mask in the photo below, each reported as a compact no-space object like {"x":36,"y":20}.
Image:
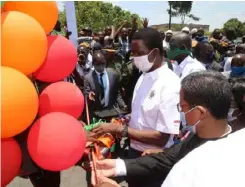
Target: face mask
{"x":192,"y":128}
{"x":230,"y":116}
{"x":99,"y":68}
{"x":142,"y":63}
{"x":236,"y":71}
{"x":172,"y":54}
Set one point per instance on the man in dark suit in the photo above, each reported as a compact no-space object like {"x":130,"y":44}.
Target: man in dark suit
{"x":204,"y":53}
{"x":101,"y":86}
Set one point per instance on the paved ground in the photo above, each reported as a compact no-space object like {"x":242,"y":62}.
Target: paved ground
{"x":74,"y":177}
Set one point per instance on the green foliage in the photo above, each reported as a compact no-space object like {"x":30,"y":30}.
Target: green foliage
{"x":236,"y":25}
{"x":182,"y":9}
{"x":98,"y":15}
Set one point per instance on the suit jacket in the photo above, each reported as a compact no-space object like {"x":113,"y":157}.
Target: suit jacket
{"x":155,"y":167}
{"x":91,"y":83}
{"x":216,"y":67}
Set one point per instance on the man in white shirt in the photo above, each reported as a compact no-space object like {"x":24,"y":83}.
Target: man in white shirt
{"x":154,"y":117}
{"x":180,"y":52}
{"x":186,"y":30}
{"x":220,"y":163}
{"x":168,"y":36}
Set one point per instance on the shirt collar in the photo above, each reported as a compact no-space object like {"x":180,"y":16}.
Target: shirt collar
{"x":185,"y":61}
{"x":99,"y":73}
{"x":156,"y":73}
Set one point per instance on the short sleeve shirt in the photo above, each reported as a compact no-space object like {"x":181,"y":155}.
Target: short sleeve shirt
{"x":154,"y":105}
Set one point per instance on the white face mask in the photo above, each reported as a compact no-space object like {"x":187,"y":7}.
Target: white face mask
{"x":230,"y":116}
{"x":142,"y":63}
{"x":192,"y":128}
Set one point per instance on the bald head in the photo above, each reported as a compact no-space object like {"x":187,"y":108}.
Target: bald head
{"x":240,"y":49}
{"x":204,"y":52}
{"x":238,"y":60}
{"x":181,"y":41}
{"x":99,"y":61}
{"x":180,"y":47}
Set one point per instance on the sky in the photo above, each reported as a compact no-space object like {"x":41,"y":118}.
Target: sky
{"x":213,"y":13}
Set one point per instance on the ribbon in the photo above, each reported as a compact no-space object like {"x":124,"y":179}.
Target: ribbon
{"x":103,"y":146}
{"x":95,"y":124}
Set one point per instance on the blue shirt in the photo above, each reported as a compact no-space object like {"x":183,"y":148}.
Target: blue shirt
{"x":106,"y":84}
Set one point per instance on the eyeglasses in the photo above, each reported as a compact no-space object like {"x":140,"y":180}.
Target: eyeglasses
{"x":179,"y":108}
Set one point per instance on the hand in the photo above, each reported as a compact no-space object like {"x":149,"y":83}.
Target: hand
{"x":103,"y":169}
{"x":106,"y":167}
{"x":91,"y":96}
{"x":151,"y":151}
{"x":104,"y":128}
{"x":145,"y":22}
{"x":90,"y":136}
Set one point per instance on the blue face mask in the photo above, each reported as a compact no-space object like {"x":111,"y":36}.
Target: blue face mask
{"x":237,"y":71}
{"x":191,"y":128}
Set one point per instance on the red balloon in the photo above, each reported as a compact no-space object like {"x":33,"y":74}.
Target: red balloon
{"x":61,"y":97}
{"x":10,"y":160}
{"x":60,"y":61}
{"x":56,"y":141}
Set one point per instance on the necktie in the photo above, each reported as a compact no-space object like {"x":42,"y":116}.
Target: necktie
{"x":102,"y":93}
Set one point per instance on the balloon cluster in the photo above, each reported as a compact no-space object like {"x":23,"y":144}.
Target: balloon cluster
{"x":56,"y":140}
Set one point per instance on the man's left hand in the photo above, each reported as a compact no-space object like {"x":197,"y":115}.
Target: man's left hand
{"x":104,"y":128}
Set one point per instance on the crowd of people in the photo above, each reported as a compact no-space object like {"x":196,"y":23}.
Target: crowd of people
{"x":179,"y":91}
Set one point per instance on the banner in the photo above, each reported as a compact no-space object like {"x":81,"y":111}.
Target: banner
{"x":71,"y":21}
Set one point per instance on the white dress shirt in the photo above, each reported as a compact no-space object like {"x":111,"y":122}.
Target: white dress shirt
{"x":154,"y":105}
{"x":165,"y":44}
{"x":227,"y":66}
{"x":106,"y":84}
{"x":218,"y":163}
{"x":188,"y":66}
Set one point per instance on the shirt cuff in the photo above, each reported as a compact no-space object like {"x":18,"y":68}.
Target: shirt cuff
{"x":120,"y":168}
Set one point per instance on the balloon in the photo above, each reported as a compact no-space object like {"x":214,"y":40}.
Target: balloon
{"x":60,"y":61}
{"x":10,"y":160}
{"x":19,"y":102}
{"x":56,"y":141}
{"x":24,"y":43}
{"x":45,"y":12}
{"x":61,"y":97}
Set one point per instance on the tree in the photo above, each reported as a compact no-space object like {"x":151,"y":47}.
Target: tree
{"x":181,"y":9}
{"x":98,"y":15}
{"x":236,"y":25}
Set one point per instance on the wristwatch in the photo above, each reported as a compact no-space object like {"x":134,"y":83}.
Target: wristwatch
{"x":124,"y":132}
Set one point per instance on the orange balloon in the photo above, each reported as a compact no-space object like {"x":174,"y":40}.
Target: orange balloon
{"x":19,"y":102}
{"x":45,"y":12}
{"x":24,"y":42}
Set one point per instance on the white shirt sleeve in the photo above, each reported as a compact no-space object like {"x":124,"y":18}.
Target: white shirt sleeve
{"x":168,"y":120}
{"x":120,"y":168}
{"x":227,"y":66}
